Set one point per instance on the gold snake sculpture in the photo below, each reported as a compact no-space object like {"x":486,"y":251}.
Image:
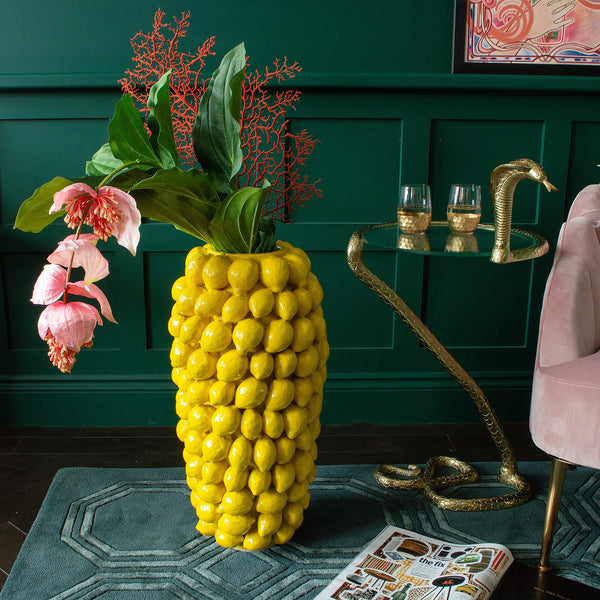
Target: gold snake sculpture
{"x":503,"y":182}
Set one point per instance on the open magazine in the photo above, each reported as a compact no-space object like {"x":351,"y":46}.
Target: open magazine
{"x":402,"y":565}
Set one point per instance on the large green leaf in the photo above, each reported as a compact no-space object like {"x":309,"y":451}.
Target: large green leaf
{"x":216,"y":131}
{"x":234,"y":227}
{"x":34,"y":213}
{"x":103,"y":162}
{"x":127,"y":136}
{"x":186,"y":199}
{"x":161,"y":124}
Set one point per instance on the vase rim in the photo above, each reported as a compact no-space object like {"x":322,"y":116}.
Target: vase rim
{"x":281,"y":248}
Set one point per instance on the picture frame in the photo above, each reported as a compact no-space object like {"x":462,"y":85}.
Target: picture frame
{"x":495,"y":36}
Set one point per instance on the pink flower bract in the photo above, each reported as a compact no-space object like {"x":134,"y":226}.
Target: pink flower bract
{"x":66,"y":327}
{"x":81,"y":252}
{"x":109,"y":211}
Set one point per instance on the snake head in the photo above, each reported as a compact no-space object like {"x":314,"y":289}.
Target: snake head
{"x":532,"y":170}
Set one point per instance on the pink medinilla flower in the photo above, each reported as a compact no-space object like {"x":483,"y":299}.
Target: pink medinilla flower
{"x":67,"y":327}
{"x":110,"y":211}
{"x":81,"y":252}
{"x":52,"y":283}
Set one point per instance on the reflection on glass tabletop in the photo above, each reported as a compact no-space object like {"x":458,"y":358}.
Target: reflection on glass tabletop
{"x":439,"y":240}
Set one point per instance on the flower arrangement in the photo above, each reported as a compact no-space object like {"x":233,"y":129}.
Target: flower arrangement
{"x":236,"y":147}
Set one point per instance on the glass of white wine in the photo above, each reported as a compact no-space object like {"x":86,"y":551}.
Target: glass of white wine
{"x":464,"y":207}
{"x":414,"y":208}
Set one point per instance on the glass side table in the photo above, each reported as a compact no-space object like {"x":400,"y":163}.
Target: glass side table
{"x":439,"y":241}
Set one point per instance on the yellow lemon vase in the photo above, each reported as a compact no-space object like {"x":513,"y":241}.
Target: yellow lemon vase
{"x":248,"y":356}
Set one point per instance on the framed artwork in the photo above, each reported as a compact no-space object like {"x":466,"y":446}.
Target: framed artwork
{"x":558,"y":37}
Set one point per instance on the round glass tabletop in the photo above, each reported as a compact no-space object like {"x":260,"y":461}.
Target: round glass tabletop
{"x":439,"y":240}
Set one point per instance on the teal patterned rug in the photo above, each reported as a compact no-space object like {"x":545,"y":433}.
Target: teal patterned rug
{"x":128,"y":534}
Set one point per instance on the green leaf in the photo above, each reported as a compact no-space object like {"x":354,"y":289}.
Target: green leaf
{"x":161,"y":124}
{"x":34,"y":213}
{"x":216,"y":131}
{"x":265,"y":237}
{"x":186,"y":199}
{"x":127,"y":135}
{"x":234,"y":227}
{"x":103,"y":162}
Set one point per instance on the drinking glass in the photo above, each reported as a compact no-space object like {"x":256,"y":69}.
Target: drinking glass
{"x":414,"y":208}
{"x":464,"y":207}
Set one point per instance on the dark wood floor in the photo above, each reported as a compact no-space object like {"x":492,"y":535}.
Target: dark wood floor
{"x":30,"y":457}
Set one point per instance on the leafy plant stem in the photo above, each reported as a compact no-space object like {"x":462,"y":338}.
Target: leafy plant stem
{"x":119,"y":169}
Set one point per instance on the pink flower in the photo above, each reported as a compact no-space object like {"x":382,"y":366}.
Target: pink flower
{"x":52,"y":283}
{"x":66,"y":327}
{"x":81,"y":252}
{"x":110,"y":211}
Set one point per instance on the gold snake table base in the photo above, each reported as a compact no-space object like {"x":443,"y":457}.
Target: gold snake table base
{"x":410,"y":478}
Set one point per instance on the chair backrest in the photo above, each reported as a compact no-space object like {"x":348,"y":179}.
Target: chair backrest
{"x":586,"y":204}
{"x":570,"y":318}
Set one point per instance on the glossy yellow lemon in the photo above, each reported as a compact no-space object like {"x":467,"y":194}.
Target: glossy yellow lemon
{"x":272,"y":423}
{"x":308,"y":361}
{"x":214,"y":272}
{"x":212,"y":472}
{"x":194,"y":263}
{"x":295,"y":419}
{"x":298,"y":266}
{"x":207,"y":511}
{"x":265,"y":453}
{"x":200,"y":417}
{"x":252,"y":424}
{"x":285,"y":363}
{"x":216,"y":336}
{"x":210,"y":303}
{"x":226,"y":540}
{"x":226,"y":419}
{"x":303,"y":390}
{"x":221,"y":393}
{"x":250,"y":392}
{"x":303,"y":463}
{"x":274,"y":273}
{"x":232,"y":366}
{"x":211,"y":492}
{"x":201,"y":365}
{"x":206,"y":528}
{"x":198,"y":391}
{"x":286,"y":305}
{"x":269,"y":523}
{"x":284,"y":534}
{"x":261,"y":302}
{"x":259,"y":481}
{"x":234,"y":309}
{"x":215,"y":447}
{"x":235,"y":524}
{"x":293,"y":514}
{"x":280,"y":394}
{"x":240,"y":453}
{"x":237,"y":503}
{"x":242,"y":275}
{"x":247,"y":334}
{"x":234,"y":479}
{"x":261,"y":364}
{"x":180,"y":353}
{"x":304,"y":334}
{"x":278,"y":335}
{"x":283,"y":477}
{"x":270,"y":502}
{"x":286,"y":449}
{"x":254,"y":541}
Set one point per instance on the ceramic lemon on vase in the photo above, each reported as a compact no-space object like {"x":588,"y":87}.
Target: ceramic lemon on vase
{"x":249,"y":345}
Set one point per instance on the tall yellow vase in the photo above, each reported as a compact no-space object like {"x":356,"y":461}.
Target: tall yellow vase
{"x":248,"y":356}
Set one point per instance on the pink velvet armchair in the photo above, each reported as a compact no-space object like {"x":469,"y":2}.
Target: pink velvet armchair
{"x":565,"y":407}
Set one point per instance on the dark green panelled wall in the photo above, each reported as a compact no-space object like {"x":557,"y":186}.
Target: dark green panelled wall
{"x":379,"y":94}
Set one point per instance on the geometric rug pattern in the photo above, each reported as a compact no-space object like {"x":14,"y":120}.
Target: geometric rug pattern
{"x":129,"y":534}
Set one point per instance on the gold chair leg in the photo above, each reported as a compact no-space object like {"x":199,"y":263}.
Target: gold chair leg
{"x":555,"y":488}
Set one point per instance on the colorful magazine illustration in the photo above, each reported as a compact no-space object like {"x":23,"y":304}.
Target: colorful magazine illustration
{"x":402,"y":565}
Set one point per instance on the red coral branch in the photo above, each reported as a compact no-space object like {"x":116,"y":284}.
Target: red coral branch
{"x":270,"y":150}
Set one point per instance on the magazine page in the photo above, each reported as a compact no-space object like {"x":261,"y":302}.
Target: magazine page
{"x":402,"y":565}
